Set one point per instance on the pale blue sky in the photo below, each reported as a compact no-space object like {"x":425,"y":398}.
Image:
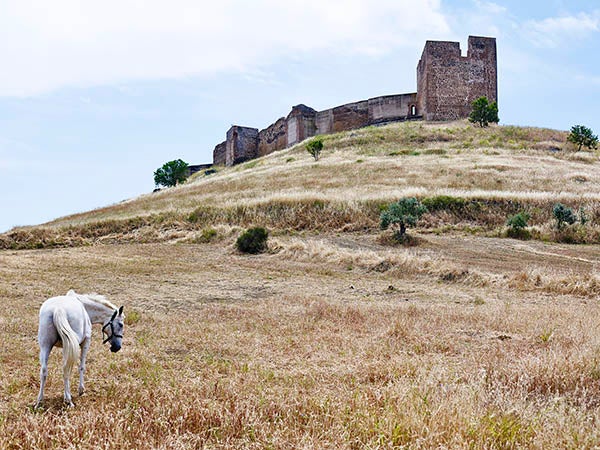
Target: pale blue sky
{"x":94,"y":96}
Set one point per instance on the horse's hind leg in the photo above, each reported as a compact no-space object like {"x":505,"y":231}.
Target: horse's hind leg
{"x":85,"y":346}
{"x":44,"y":352}
{"x":66,"y":377}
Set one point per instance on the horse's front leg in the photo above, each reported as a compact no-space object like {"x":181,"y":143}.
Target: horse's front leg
{"x":85,"y":346}
{"x":44,"y":352}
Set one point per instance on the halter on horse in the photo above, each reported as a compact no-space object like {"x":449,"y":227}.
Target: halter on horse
{"x":113,"y":334}
{"x":67,"y":321}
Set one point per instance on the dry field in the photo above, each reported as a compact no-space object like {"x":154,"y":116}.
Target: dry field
{"x":328,"y":341}
{"x":332,"y":339}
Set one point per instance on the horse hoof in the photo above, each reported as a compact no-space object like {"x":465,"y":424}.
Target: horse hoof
{"x":81,"y":391}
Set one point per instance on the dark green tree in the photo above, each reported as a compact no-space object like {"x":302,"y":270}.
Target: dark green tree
{"x":314,"y":147}
{"x":563,"y":214}
{"x":484,"y":112}
{"x":401,"y":214}
{"x":171,"y":173}
{"x":582,"y":137}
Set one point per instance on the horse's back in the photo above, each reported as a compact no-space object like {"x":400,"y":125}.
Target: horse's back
{"x":76,"y":316}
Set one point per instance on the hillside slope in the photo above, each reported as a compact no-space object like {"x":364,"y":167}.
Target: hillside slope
{"x":495,"y":171}
{"x":331,"y":339}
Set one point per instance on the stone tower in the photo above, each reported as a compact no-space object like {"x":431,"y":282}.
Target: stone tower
{"x":447,"y":82}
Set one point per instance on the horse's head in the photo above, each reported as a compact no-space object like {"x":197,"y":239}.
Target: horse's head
{"x":113,"y":329}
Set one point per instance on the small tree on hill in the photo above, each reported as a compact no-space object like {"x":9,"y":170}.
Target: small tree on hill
{"x":582,"y":137}
{"x":171,"y":173}
{"x":401,"y":214}
{"x":484,"y":112}
{"x":314,"y":147}
{"x":563,"y":214}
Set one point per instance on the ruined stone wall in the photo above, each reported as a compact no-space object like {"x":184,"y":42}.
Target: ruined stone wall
{"x":273,"y":138}
{"x":447,"y":83}
{"x":303,"y":122}
{"x":324,"y":122}
{"x":241,"y":145}
{"x":219,"y":154}
{"x":351,"y":116}
{"x":300,"y":124}
{"x":392,"y":108}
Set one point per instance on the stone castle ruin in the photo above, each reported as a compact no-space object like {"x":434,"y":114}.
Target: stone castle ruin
{"x":447,"y":84}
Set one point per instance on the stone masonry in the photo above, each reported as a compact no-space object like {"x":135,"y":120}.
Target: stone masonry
{"x":447,"y":84}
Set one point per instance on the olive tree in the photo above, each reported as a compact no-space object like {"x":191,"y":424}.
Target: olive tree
{"x":406,"y":212}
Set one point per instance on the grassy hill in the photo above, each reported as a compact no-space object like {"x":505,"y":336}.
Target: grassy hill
{"x":492,"y":172}
{"x":333,"y":338}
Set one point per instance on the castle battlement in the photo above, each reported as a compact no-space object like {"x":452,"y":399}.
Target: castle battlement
{"x":447,"y":85}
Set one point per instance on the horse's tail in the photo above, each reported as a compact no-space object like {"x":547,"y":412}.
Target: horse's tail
{"x":69,"y":339}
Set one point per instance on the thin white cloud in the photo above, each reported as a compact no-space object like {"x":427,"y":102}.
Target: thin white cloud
{"x":556,"y":31}
{"x":47,"y":45}
{"x":490,"y":7}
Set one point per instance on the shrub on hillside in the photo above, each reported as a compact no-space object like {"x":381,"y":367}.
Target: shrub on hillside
{"x":253,"y":240}
{"x":406,"y":212}
{"x":518,"y":221}
{"x":563,"y":215}
{"x":444,"y":202}
{"x":517,"y":226}
{"x":314,"y":147}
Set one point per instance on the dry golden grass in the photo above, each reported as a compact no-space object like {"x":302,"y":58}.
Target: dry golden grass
{"x":328,"y":341}
{"x":332,"y":339}
{"x":382,"y":164}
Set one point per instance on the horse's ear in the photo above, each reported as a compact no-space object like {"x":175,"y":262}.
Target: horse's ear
{"x":121,"y":311}
{"x":114,"y":315}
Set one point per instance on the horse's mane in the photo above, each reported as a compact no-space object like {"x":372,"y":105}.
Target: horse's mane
{"x":96,"y":298}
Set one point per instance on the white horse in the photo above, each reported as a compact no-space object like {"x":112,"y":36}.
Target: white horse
{"x":67,"y":321}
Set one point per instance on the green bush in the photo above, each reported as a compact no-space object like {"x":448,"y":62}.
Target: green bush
{"x":518,"y":221}
{"x":253,"y":240}
{"x":314,"y":147}
{"x":563,"y":215}
{"x":207,"y":235}
{"x":517,"y":226}
{"x":444,"y":202}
